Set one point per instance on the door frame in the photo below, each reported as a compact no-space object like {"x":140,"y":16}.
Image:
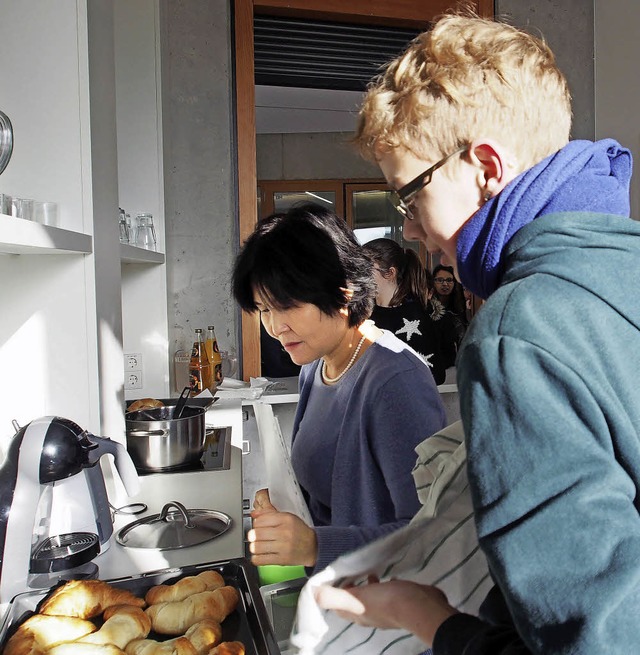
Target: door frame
{"x":402,"y":13}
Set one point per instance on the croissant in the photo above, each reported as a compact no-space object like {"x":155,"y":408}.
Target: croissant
{"x":228,"y":648}
{"x":123,"y":624}
{"x":191,"y":584}
{"x":39,"y":632}
{"x":78,"y":648}
{"x":87,"y":598}
{"x":177,"y":646}
{"x":203,"y":635}
{"x":176,"y":618}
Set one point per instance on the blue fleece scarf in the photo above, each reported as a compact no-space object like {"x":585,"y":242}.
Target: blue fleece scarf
{"x":583,"y":176}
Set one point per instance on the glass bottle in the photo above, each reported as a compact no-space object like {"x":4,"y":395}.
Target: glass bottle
{"x":213,"y":352}
{"x":200,"y":374}
{"x":145,"y":233}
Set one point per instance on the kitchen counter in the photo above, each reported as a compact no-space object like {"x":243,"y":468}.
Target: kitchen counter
{"x":220,"y":490}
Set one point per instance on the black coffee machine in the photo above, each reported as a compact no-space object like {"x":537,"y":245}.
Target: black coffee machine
{"x":54,"y":508}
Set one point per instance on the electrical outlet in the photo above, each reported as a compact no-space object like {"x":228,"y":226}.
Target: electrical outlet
{"x":133,"y":362}
{"x":133,"y":380}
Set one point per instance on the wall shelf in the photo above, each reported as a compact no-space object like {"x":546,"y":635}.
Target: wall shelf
{"x":134,"y":255}
{"x":21,"y":237}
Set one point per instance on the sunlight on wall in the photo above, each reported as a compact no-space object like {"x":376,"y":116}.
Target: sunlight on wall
{"x":23,"y":384}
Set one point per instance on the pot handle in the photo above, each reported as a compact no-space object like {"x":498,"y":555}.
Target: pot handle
{"x":147,"y":433}
{"x":181,"y":508}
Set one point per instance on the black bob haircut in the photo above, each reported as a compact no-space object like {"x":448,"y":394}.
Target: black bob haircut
{"x":306,"y":255}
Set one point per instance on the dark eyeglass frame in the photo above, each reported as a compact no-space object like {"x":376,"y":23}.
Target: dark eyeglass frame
{"x":443,"y":280}
{"x":402,"y":198}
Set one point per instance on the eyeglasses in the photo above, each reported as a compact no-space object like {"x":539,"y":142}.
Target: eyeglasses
{"x":443,"y":280}
{"x":403,"y":197}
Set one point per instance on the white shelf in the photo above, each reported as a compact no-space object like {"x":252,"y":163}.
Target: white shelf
{"x":134,"y":255}
{"x":21,"y":237}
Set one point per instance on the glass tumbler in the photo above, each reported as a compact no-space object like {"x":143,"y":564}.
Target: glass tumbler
{"x":124,"y":228}
{"x":145,"y":232}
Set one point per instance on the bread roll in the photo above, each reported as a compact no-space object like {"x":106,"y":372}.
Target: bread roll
{"x":123,"y":624}
{"x":38,"y":633}
{"x":203,"y":635}
{"x":176,"y":618}
{"x":228,"y":648}
{"x":144,"y":403}
{"x":177,"y":646}
{"x":191,"y":584}
{"x":78,"y":648}
{"x":86,"y":599}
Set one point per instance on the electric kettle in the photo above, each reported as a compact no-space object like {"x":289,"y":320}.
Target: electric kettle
{"x":51,"y":485}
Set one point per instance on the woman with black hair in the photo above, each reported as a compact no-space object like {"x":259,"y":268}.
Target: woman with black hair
{"x":402,"y":301}
{"x":366,"y":399}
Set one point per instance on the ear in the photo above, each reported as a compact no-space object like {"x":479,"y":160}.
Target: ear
{"x":495,"y":164}
{"x":391,"y":274}
{"x":348,"y":295}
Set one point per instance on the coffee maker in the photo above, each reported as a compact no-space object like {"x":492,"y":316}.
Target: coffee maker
{"x":54,"y":508}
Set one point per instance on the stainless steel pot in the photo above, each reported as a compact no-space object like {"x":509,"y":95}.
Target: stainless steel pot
{"x":158,"y":442}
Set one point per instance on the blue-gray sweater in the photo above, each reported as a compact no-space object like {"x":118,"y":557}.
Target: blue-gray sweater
{"x":382,"y":409}
{"x":548,"y":377}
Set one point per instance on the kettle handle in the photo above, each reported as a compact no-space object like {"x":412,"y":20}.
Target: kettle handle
{"x":124,"y":464}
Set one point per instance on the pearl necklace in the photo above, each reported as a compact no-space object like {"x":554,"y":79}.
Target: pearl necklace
{"x":323,"y":371}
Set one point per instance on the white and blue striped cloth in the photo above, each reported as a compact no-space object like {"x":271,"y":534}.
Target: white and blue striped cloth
{"x":438,"y":547}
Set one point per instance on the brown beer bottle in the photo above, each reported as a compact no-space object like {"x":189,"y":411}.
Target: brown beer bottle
{"x":213,"y":353}
{"x":200,"y":373}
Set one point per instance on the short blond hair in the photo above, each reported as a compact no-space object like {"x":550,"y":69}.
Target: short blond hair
{"x":466,"y":78}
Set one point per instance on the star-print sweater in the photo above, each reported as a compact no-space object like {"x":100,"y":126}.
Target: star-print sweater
{"x":413,"y":324}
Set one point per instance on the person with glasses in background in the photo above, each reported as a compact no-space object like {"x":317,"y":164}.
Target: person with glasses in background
{"x":450,"y":294}
{"x":548,"y":370}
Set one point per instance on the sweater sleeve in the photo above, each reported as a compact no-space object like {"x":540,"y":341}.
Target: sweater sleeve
{"x":546,"y":476}
{"x":404,"y":411}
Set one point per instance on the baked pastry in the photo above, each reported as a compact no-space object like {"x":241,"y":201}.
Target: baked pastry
{"x":228,"y":648}
{"x":203,"y":635}
{"x":87,"y":598}
{"x":144,"y":403}
{"x":78,"y":648}
{"x":177,"y":646}
{"x":177,"y":617}
{"x":123,"y":623}
{"x":39,"y":633}
{"x":191,"y":584}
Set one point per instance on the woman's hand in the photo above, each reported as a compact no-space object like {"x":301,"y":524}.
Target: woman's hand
{"x":279,"y":537}
{"x":420,"y":609}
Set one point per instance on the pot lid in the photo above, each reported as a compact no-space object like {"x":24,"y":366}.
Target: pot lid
{"x":175,"y":527}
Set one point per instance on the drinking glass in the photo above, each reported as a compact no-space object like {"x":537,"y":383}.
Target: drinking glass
{"x":145,"y":234}
{"x":45,"y":213}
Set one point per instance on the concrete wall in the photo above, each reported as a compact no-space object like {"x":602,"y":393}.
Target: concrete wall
{"x":567,"y":26}
{"x":617,"y":95}
{"x":199,"y":171}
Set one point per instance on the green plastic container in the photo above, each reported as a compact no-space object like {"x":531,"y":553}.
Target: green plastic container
{"x":273,"y":573}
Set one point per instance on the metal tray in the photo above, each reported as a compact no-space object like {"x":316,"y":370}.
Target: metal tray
{"x":249,"y":623}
